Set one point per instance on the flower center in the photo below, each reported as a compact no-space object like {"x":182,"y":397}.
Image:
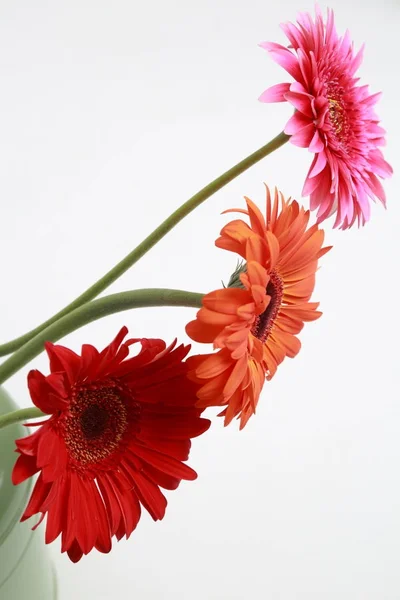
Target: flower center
{"x":96,"y":422}
{"x":264,"y":322}
{"x":93,"y":421}
{"x":337,"y":111}
{"x":337,"y":115}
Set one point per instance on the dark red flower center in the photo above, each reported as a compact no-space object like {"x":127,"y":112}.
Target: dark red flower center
{"x":94,"y":421}
{"x":264,"y":322}
{"x":97,"y":420}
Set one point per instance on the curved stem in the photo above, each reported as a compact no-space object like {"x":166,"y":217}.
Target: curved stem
{"x":23,"y":414}
{"x":91,"y":312}
{"x":151,"y":239}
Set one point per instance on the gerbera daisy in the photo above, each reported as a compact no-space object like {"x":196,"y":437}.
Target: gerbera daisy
{"x":119,"y":430}
{"x":334,"y":118}
{"x":254,"y":321}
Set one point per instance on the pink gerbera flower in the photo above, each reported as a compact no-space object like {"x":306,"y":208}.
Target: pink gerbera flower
{"x":334,"y":119}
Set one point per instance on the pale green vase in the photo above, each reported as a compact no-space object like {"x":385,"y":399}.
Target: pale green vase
{"x":25,"y":568}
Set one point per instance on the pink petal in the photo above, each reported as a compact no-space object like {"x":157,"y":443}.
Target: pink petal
{"x":356,"y":61}
{"x":283,"y":57}
{"x":275,"y":93}
{"x":303,"y":137}
{"x":301,"y":102}
{"x":379,"y":164}
{"x":317,"y":144}
{"x":296,"y":122}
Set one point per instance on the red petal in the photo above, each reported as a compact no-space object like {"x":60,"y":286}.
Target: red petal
{"x":63,"y":359}
{"x":57,"y":514}
{"x":89,"y":361}
{"x":43,"y":395}
{"x":28,"y":445}
{"x":164,"y":463}
{"x":52,"y":455}
{"x":86,"y":530}
{"x":24,"y":467}
{"x":179,"y":449}
{"x":69,"y":534}
{"x":176,"y":427}
{"x":38,"y":497}
{"x":150,"y":349}
{"x":129,"y":507}
{"x":110,"y":500}
{"x":103,"y":537}
{"x":150,"y":496}
{"x":74,"y":552}
{"x":161,"y":479}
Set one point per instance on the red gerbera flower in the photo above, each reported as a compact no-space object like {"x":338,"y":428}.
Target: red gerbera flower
{"x":253,"y":323}
{"x":119,"y":430}
{"x":334,"y":119}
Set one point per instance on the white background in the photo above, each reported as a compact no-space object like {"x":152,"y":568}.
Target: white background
{"x":111,"y":115}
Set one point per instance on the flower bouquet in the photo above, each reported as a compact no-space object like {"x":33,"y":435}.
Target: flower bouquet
{"x":113,"y":427}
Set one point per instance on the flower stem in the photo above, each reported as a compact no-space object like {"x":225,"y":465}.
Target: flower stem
{"x":91,"y":312}
{"x":151,"y":240}
{"x":23,"y":414}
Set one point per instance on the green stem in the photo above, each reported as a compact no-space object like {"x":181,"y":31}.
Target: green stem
{"x":23,"y":414}
{"x":91,"y":312}
{"x":151,"y":239}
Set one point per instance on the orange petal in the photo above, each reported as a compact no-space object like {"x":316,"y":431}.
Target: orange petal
{"x":199,"y":332}
{"x":256,"y":218}
{"x":226,"y":300}
{"x":234,"y":407}
{"x":214,"y":365}
{"x":273,"y":246}
{"x":256,"y":250}
{"x":256,"y":273}
{"x":236,"y":378}
{"x":211,"y":317}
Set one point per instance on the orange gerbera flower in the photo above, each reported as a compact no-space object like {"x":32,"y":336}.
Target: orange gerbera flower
{"x":254,"y":321}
